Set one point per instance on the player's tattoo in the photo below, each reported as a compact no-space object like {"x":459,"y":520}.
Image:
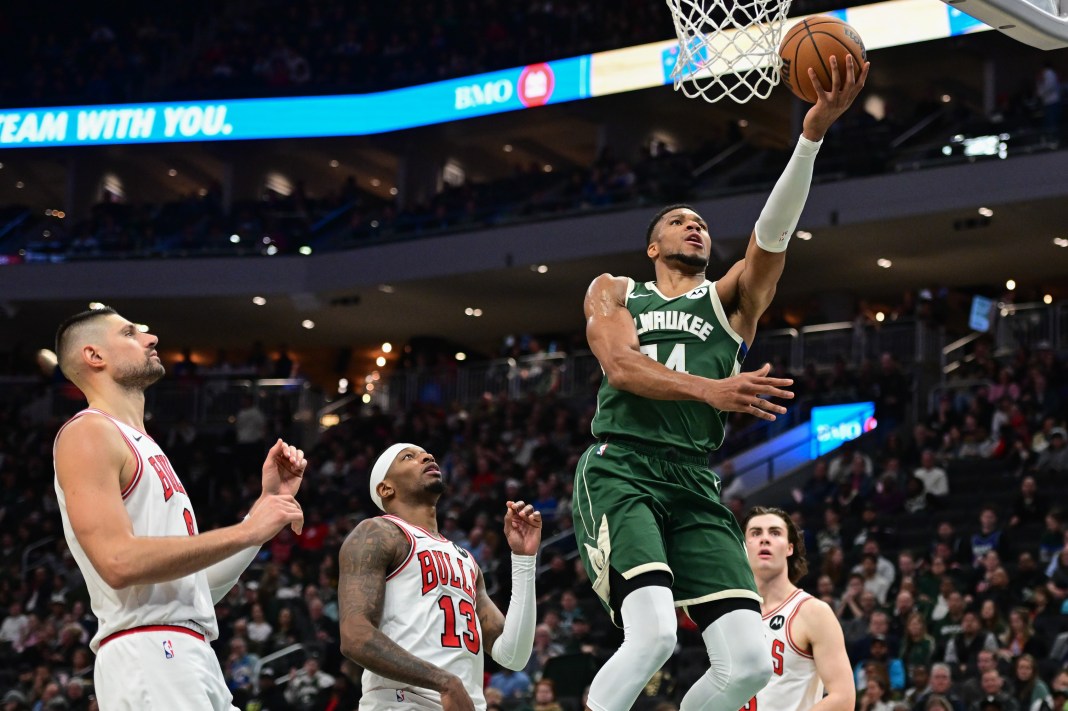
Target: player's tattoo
{"x":489,"y":617}
{"x":373,"y":550}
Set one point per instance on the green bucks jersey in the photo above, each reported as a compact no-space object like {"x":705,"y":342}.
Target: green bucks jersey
{"x":690,"y":334}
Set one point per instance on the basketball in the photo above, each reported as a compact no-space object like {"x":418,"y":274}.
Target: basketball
{"x":811,"y":43}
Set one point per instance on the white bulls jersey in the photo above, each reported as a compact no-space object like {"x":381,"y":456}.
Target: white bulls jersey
{"x":429,"y":611}
{"x":794,"y":685}
{"x":157,"y":505}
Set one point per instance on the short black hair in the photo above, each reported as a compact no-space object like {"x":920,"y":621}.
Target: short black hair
{"x":81,"y":317}
{"x":656,"y":219}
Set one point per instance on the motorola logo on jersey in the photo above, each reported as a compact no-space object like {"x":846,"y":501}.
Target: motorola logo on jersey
{"x":697,"y":293}
{"x":777,"y":622}
{"x":536,"y":84}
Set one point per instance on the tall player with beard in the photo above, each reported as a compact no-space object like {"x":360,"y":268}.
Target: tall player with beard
{"x":651,"y":529}
{"x":810,"y":667}
{"x":153,"y":578}
{"x":413,"y":606}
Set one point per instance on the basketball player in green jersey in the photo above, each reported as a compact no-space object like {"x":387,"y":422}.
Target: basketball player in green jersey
{"x":651,"y":530}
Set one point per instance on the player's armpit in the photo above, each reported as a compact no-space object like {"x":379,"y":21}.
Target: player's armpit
{"x":90,"y":457}
{"x":823,"y":632}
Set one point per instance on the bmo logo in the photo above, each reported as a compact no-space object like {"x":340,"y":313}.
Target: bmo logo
{"x":488,"y":94}
{"x":536,"y":84}
{"x":834,"y":424}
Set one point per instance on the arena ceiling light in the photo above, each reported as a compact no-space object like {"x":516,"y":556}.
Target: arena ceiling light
{"x":259,"y":300}
{"x":380,"y":361}
{"x":308,"y":324}
{"x":1060,"y":241}
{"x":804,"y":235}
{"x":884,"y":263}
{"x":235,"y":238}
{"x":986,"y":212}
{"x":1010,"y":284}
{"x":387,"y":347}
{"x":305,"y":250}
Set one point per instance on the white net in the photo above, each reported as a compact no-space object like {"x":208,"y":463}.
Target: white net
{"x":727,"y":49}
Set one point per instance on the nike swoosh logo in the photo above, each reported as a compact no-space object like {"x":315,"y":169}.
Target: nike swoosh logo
{"x":138,"y":437}
{"x":639,"y":296}
{"x":418,"y":536}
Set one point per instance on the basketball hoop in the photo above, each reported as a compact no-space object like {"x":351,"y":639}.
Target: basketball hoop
{"x":727,"y":49}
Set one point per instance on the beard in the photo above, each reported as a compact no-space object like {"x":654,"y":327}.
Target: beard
{"x":689,"y":260}
{"x":140,"y":376}
{"x":435,"y":486}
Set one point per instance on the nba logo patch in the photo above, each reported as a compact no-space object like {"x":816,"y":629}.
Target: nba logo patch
{"x":400,"y":694}
{"x":168,"y":649}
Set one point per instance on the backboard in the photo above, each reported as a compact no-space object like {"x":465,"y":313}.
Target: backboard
{"x":1039,"y":23}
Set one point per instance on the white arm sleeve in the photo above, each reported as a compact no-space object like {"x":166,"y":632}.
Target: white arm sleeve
{"x":779,"y":217}
{"x":512,"y":649}
{"x":223,"y":575}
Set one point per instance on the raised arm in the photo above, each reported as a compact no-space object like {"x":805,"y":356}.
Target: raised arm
{"x":90,"y":459}
{"x":614,"y":340}
{"x":825,"y":638}
{"x":374,"y":549}
{"x":749,"y":287}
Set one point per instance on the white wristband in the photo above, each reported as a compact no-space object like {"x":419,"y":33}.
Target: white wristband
{"x":512,"y":649}
{"x":783,"y":209}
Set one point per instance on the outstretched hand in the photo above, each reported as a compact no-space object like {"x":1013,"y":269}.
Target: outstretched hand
{"x":746,"y":392}
{"x":522,"y":528}
{"x":832,"y":104}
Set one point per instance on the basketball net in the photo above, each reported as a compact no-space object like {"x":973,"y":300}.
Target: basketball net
{"x":727,"y":49}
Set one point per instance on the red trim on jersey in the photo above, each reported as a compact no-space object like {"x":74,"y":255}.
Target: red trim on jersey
{"x":782,"y":604}
{"x":153,"y":628}
{"x":110,"y":416}
{"x":435,"y":536}
{"x":411,"y":542}
{"x":790,"y":621}
{"x":137,"y":455}
{"x":140,"y":464}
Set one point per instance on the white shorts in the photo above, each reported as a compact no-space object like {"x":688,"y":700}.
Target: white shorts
{"x":162,"y":668}
{"x":396,"y":699}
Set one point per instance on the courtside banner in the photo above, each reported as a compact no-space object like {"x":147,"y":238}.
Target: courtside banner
{"x":884,"y":24}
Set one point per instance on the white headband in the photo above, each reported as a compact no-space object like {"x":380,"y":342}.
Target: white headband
{"x":382,"y":465}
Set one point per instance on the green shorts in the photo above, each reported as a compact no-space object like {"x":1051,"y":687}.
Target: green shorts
{"x":640,"y":508}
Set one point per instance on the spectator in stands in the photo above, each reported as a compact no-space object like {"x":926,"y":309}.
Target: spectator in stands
{"x":545,"y":696}
{"x":309,"y":687}
{"x":879,"y":652}
{"x":1020,"y":637}
{"x":1057,"y":572}
{"x":918,"y":647}
{"x":873,"y":582}
{"x":544,"y":650}
{"x":876,"y":696}
{"x":934,"y":478}
{"x":1052,"y":539}
{"x":1054,"y":460}
{"x":962,"y":649}
{"x":917,"y":500}
{"x":250,"y":430}
{"x":1029,"y":508}
{"x":990,"y":618}
{"x":989,"y":537}
{"x":941,"y":685}
{"x":515,"y":686}
{"x":951,"y":624}
{"x":993,"y":687}
{"x":1032,"y":694}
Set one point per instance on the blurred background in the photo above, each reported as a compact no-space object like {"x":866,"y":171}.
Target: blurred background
{"x":352,"y":225}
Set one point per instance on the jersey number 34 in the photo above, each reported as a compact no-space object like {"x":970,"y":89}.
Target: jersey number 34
{"x":676,"y":360}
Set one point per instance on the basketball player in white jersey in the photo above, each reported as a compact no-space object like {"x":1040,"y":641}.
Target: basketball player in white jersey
{"x":153,"y":578}
{"x":413,"y":606}
{"x":810,"y":667}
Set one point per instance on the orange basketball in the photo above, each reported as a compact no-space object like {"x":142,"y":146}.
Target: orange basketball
{"x":811,"y":43}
